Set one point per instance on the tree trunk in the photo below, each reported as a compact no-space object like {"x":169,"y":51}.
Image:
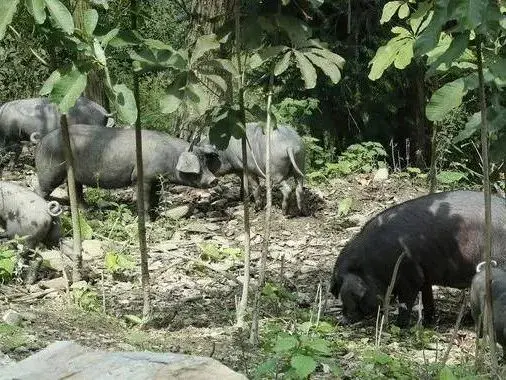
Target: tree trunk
{"x":420,"y":132}
{"x":74,"y":210}
{"x":141,"y":221}
{"x":488,"y":323}
{"x":243,"y":303}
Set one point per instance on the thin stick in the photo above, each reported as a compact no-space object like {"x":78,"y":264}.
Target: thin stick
{"x":463,"y":301}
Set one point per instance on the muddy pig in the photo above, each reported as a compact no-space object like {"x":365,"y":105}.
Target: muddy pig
{"x":20,"y":119}
{"x":24,"y":213}
{"x":287,"y":158}
{"x":105,"y":157}
{"x":442,"y":235}
{"x":498,"y":288}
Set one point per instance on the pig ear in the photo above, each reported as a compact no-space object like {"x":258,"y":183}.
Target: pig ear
{"x":355,"y":284}
{"x":188,"y":163}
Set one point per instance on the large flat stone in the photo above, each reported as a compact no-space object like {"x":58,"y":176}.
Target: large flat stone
{"x":68,"y":360}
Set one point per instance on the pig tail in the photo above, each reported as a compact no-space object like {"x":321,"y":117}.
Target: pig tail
{"x":480,"y":265}
{"x":54,"y":208}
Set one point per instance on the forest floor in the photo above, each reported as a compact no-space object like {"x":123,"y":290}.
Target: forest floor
{"x":196,"y":267}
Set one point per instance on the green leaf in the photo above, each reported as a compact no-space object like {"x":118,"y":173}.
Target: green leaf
{"x":47,"y":87}
{"x":197,"y":97}
{"x":90,"y":21}
{"x":298,"y":32}
{"x":203,"y":45}
{"x":266,"y":368}
{"x":303,"y":365}
{"x":472,"y":125}
{"x":456,"y":48}
{"x":61,"y":15}
{"x":37,"y":9}
{"x":445,"y":99}
{"x":429,"y":38}
{"x":67,"y":89}
{"x":125,"y":104}
{"x":99,"y":53}
{"x":285,"y":343}
{"x":225,"y":125}
{"x":344,"y":206}
{"x":123,"y":38}
{"x":389,"y":10}
{"x":404,"y":55}
{"x":306,"y":69}
{"x":105,"y":39}
{"x":262,"y":55}
{"x":447,"y":177}
{"x":320,"y":346}
{"x":387,"y":54}
{"x":404,"y":11}
{"x":226,"y":65}
{"x":7,"y":10}
{"x":217,"y":80}
{"x":498,"y":68}
{"x":331,"y":70}
{"x":283,"y":63}
{"x":417,"y":18}
{"x":174,"y":95}
{"x":85,"y":228}
{"x":336,"y":59}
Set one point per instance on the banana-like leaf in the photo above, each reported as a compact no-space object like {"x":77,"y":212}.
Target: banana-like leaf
{"x":306,"y":69}
{"x":61,"y":15}
{"x":67,"y":89}
{"x":37,"y":9}
{"x":283,"y":63}
{"x":204,"y":44}
{"x":125,"y":104}
{"x":328,"y":67}
{"x":7,"y":10}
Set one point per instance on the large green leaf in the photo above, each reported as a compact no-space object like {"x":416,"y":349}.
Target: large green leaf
{"x":429,"y":38}
{"x":331,"y":56}
{"x":283,"y":63}
{"x":125,"y":38}
{"x":389,"y":10}
{"x":421,"y":17}
{"x":262,"y":55}
{"x":48,"y":85}
{"x":404,"y":55}
{"x":67,"y":89}
{"x":61,"y":15}
{"x":445,"y":99}
{"x":197,"y":97}
{"x":225,"y":64}
{"x":37,"y":9}
{"x":306,"y":69}
{"x":456,"y":48}
{"x":331,"y":70}
{"x":125,"y":104}
{"x":90,"y":21}
{"x":298,"y":32}
{"x":218,"y":80}
{"x":469,"y":13}
{"x":387,"y":54}
{"x":404,"y":11}
{"x":303,"y":365}
{"x":225,"y":125}
{"x":174,"y":95}
{"x":99,"y":53}
{"x":7,"y":10}
{"x":203,"y":45}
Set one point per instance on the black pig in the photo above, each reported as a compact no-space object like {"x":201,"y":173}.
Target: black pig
{"x":442,"y":235}
{"x":498,"y":289}
{"x":105,"y":157}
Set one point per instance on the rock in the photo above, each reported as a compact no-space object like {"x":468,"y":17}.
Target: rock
{"x":357,"y":220}
{"x":5,"y":360}
{"x":58,"y":283}
{"x":12,"y":318}
{"x":220,"y":203}
{"x":212,"y":227}
{"x":92,"y":249}
{"x":60,"y":359}
{"x":60,"y":193}
{"x":178,"y":212}
{"x":79,"y":285}
{"x":52,"y":259}
{"x":195,"y":227}
{"x":381,"y":175}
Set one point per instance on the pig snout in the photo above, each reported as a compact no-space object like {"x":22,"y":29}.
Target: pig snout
{"x":208,"y":180}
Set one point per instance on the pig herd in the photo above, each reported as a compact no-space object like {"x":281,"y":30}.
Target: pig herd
{"x":440,"y":236}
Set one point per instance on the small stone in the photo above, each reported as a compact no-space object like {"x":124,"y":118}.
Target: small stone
{"x":79,"y":285}
{"x":52,"y":259}
{"x":219,"y":203}
{"x":58,"y":283}
{"x":381,"y":175}
{"x":92,"y":249}
{"x":12,"y":318}
{"x":357,"y":220}
{"x":212,"y":227}
{"x":178,"y":212}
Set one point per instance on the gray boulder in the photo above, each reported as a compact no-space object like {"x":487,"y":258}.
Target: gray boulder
{"x":68,"y":360}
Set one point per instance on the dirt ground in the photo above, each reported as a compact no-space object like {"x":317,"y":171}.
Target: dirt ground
{"x":196,"y":276}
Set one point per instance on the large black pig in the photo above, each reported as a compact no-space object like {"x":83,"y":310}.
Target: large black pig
{"x":442,"y":235}
{"x":498,"y":289}
{"x":26,"y":214}
{"x":105,"y":157}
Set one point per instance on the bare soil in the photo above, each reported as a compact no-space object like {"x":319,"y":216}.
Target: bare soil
{"x":194,"y":297}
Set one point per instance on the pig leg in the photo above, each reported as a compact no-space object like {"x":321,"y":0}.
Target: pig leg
{"x":299,"y":193}
{"x":151,"y":199}
{"x":428,"y":303}
{"x":286,"y":190}
{"x":80,"y":195}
